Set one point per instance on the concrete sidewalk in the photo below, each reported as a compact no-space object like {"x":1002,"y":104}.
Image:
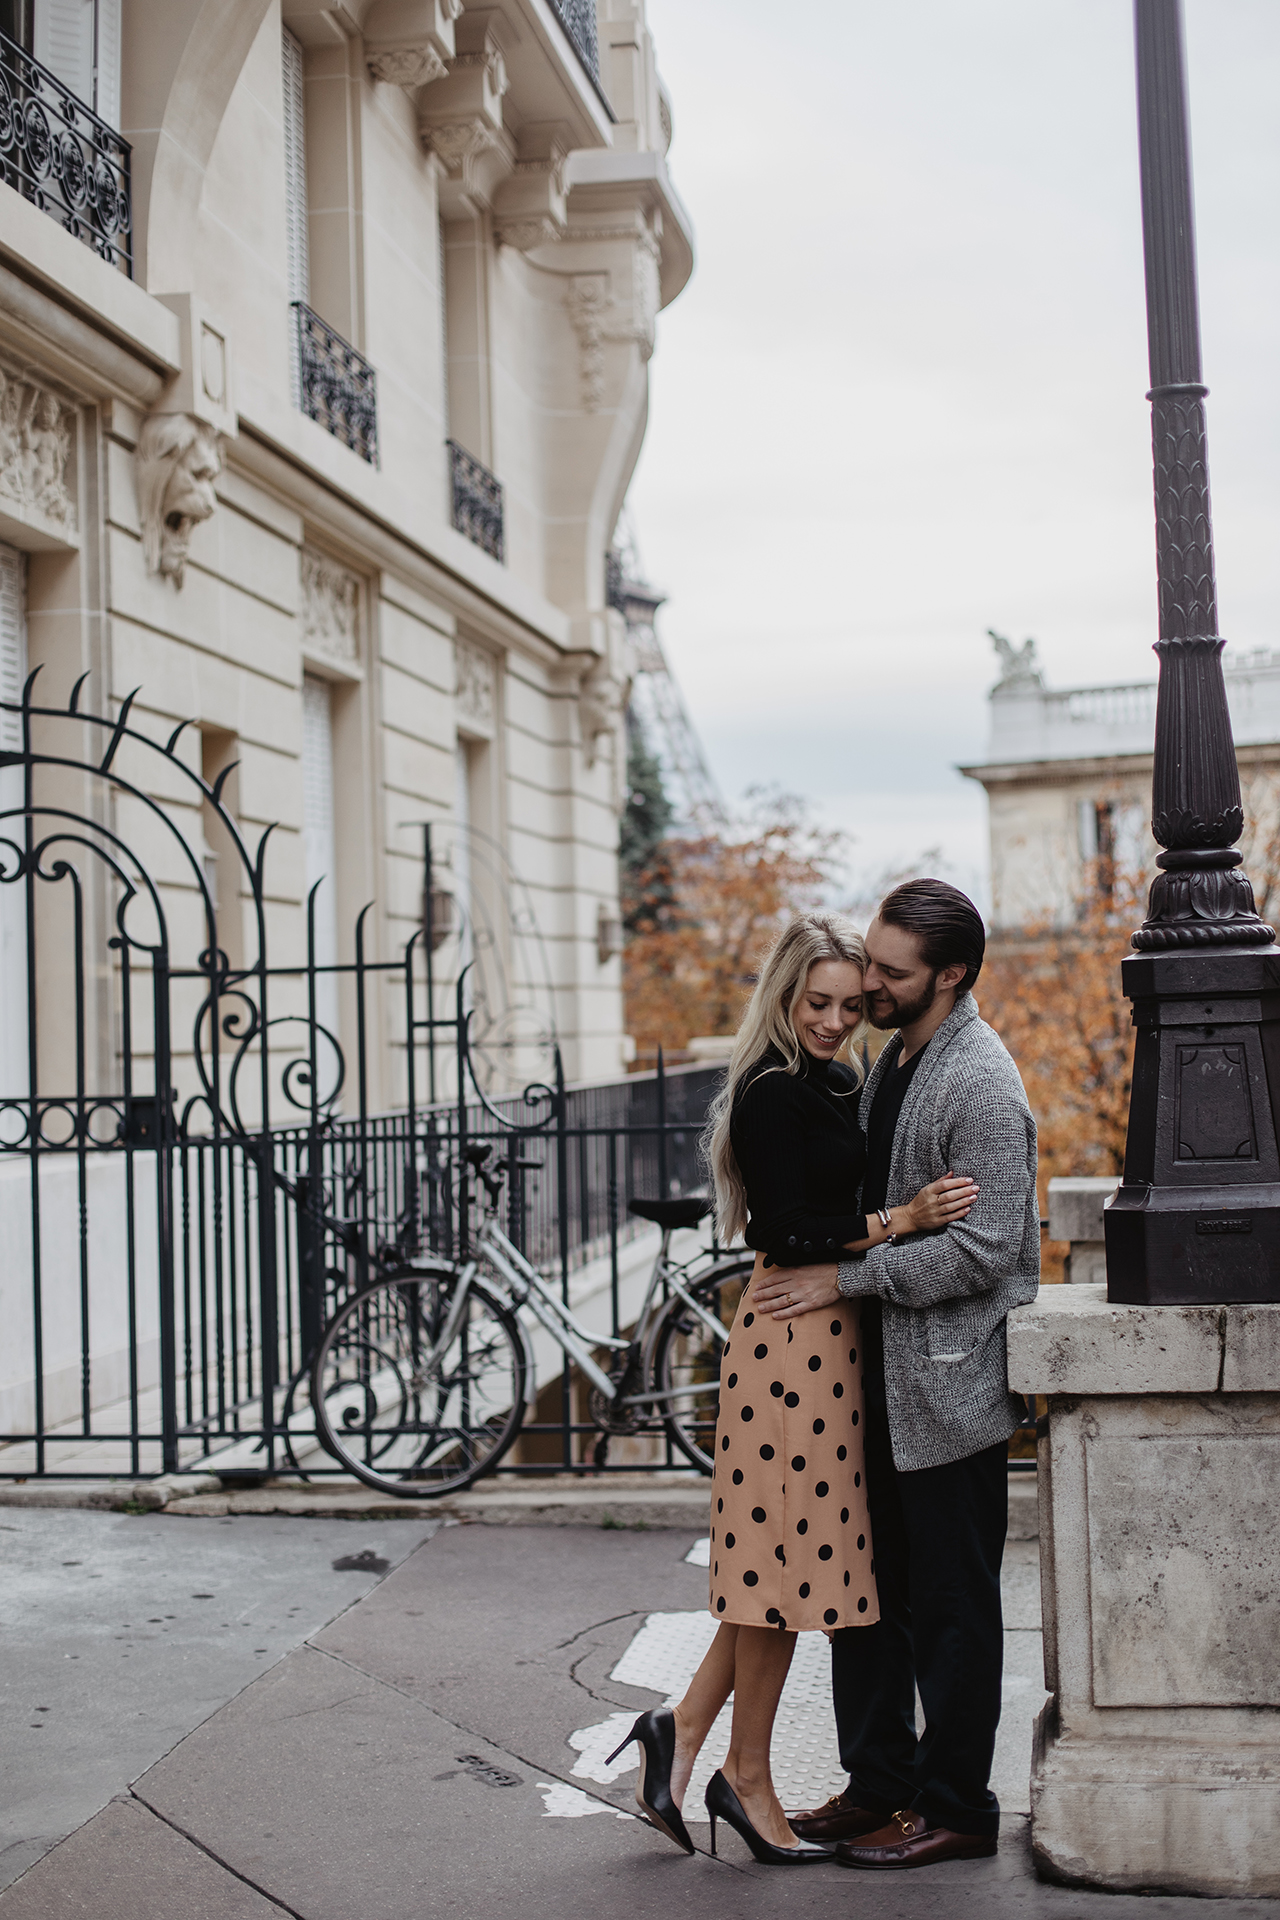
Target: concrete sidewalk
{"x":413,"y":1755}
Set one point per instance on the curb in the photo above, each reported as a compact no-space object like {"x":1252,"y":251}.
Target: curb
{"x":632,"y":1503}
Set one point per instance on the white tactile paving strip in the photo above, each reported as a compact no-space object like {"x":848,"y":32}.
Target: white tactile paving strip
{"x":664,"y":1656}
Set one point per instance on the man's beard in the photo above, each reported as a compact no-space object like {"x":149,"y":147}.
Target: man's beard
{"x":902,"y":1013}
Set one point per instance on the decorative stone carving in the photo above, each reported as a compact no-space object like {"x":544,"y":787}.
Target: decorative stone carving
{"x":177,"y":460}
{"x":588,"y":301}
{"x":476,"y":683}
{"x":330,"y":608}
{"x":459,"y":141}
{"x":600,"y":702}
{"x":409,"y":43}
{"x":35,"y":445}
{"x":407,"y":66}
{"x":489,"y":59}
{"x":529,"y":208}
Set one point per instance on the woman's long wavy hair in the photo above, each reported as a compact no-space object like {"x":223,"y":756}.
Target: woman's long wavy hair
{"x":768,"y":1023}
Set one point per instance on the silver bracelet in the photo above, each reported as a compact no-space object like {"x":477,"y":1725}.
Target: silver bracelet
{"x":882,"y":1215}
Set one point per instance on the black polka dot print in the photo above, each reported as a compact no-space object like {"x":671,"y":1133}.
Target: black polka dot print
{"x":779,"y":1570}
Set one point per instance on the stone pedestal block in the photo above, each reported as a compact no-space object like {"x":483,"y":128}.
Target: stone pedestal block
{"x":1076,"y":1206}
{"x":1157,"y":1762}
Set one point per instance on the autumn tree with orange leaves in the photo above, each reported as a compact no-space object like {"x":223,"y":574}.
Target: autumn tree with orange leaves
{"x":702,"y":912}
{"x":1054,"y":997}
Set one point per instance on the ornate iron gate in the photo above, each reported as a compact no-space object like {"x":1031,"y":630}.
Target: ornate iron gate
{"x":191,"y":1173}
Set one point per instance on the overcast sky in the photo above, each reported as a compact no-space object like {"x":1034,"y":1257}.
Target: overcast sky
{"x":902,"y":398}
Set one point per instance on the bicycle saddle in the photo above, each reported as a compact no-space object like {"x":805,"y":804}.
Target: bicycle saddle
{"x":476,"y":1152}
{"x":670,"y":1213}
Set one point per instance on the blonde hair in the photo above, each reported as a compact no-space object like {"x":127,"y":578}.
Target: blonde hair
{"x":810,"y":938}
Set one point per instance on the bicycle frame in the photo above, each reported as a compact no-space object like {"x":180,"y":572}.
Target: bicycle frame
{"x":525,"y":1287}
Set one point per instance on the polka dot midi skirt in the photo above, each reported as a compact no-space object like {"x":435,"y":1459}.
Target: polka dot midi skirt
{"x":790,"y":1533}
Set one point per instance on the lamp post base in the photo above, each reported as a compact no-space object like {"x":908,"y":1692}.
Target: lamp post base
{"x":1196,"y":1219}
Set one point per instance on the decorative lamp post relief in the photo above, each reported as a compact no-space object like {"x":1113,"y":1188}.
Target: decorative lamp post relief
{"x":1197,"y":1216}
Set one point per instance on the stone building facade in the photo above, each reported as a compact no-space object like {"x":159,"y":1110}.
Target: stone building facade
{"x":320,"y":392}
{"x":1068,"y":780}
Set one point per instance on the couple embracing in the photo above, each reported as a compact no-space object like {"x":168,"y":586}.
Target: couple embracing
{"x":860,"y":1483}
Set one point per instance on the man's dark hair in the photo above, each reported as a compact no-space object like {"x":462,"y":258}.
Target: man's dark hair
{"x":944,"y":921}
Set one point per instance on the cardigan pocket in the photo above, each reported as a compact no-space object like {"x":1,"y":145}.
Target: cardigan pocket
{"x":939,"y":1338}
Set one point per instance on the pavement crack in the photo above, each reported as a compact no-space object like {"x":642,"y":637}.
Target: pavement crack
{"x":632,"y":1613}
{"x":176,"y":1826}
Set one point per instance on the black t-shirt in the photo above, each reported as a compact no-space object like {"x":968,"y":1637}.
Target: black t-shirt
{"x":882,"y":1124}
{"x":796,"y":1139}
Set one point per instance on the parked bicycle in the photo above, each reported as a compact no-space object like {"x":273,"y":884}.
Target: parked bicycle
{"x":421,"y":1380}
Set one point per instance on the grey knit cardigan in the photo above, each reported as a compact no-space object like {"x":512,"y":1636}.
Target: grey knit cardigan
{"x":946,"y":1296}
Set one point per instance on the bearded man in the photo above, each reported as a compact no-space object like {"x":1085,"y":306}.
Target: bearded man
{"x":943,"y":1097}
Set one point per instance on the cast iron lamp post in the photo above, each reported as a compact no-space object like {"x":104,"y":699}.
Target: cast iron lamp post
{"x":1197,"y":1216}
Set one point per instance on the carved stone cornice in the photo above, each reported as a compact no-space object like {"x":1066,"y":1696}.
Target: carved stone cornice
{"x":529,"y":207}
{"x":409,"y":43}
{"x":407,"y":66}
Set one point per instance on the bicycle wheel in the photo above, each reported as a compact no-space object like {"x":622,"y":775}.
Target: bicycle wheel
{"x":687,"y":1354}
{"x":406,"y":1419}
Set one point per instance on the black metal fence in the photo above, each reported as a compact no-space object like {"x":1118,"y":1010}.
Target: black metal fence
{"x":191,"y":1173}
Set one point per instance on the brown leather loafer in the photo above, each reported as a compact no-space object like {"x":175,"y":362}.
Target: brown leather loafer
{"x":909,"y":1841}
{"x":840,"y":1819}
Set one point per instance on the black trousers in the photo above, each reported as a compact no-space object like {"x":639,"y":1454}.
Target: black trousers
{"x":938,"y":1537}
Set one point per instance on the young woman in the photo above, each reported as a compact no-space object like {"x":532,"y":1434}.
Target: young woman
{"x":790,"y":1538}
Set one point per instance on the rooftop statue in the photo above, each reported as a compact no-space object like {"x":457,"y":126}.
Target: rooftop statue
{"x":1019,"y":668}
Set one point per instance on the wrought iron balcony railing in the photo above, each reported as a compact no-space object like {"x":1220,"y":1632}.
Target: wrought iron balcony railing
{"x":56,"y":153}
{"x":578,"y":18}
{"x":337,"y":387}
{"x":477,"y":501}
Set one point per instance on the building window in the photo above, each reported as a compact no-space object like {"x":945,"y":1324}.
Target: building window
{"x":13,"y":915}
{"x":332,"y":382}
{"x":319,"y":860}
{"x":59,"y":141}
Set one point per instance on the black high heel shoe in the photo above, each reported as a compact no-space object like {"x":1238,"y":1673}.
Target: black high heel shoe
{"x":724,"y":1804}
{"x":655,"y":1735}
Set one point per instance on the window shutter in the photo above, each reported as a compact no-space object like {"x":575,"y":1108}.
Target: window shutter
{"x":13,"y":644}
{"x":63,"y":40}
{"x":295,"y":170}
{"x":107,"y":104}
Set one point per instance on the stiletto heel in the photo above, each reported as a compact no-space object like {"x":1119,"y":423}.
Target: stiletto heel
{"x":724,"y":1804}
{"x":655,"y":1735}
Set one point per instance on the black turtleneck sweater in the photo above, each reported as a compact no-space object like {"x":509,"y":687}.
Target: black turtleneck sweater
{"x":799,"y":1149}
